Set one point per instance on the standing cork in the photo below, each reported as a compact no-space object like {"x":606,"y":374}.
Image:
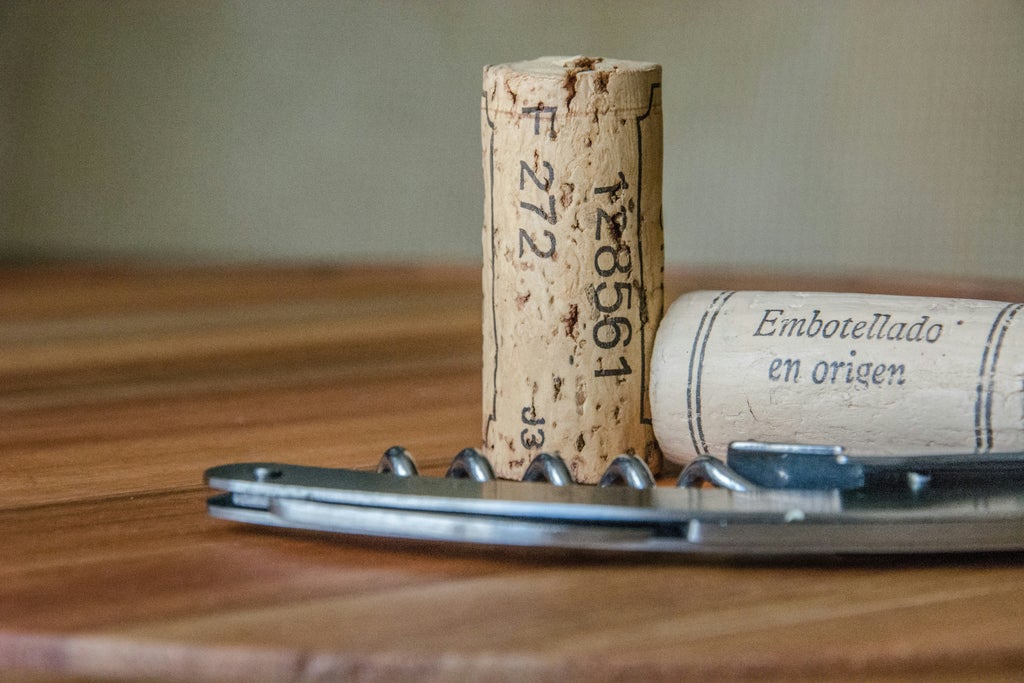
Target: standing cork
{"x":573,"y":261}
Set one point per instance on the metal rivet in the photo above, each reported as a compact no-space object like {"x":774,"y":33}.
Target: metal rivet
{"x":918,"y":481}
{"x":262,"y":473}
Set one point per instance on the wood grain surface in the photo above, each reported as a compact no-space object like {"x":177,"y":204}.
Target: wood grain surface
{"x":119,"y":385}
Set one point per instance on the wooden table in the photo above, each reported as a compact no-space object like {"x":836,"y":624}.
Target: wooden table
{"x":120,"y":385}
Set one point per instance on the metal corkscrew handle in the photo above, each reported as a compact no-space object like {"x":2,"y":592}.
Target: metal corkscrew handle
{"x":629,"y":513}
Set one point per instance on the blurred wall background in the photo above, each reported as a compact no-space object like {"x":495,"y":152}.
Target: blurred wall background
{"x":814,"y":136}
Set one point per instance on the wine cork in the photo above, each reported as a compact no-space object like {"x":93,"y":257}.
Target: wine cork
{"x":573,"y":261}
{"x":880,"y":375}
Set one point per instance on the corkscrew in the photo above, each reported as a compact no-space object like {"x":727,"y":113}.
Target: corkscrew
{"x":765,"y":500}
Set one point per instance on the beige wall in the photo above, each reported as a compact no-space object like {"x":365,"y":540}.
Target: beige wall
{"x":862,"y":135}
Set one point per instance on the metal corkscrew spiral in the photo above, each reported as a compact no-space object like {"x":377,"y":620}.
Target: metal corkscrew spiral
{"x":470,"y":463}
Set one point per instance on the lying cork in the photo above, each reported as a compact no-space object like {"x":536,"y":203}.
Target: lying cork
{"x":879,"y":375}
{"x":573,"y":261}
